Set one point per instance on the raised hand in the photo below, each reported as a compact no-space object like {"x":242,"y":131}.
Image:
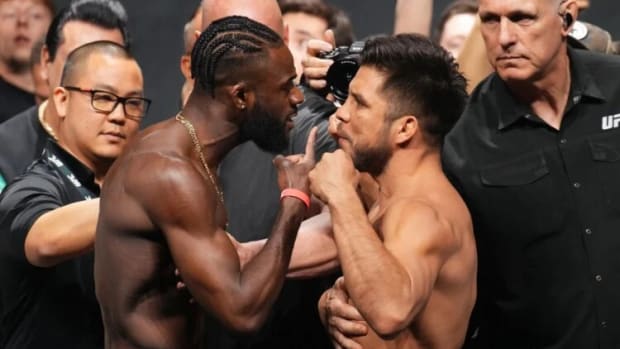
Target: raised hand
{"x":333,"y":175}
{"x":293,"y":170}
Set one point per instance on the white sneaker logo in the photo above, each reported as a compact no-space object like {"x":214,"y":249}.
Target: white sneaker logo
{"x":611,"y":121}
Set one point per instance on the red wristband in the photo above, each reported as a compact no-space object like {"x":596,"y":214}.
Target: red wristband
{"x":296,"y":193}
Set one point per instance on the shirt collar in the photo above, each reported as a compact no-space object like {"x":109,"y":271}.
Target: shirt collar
{"x":583,"y":87}
{"x":82,"y":173}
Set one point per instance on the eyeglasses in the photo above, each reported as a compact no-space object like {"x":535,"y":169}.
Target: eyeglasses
{"x":106,"y":102}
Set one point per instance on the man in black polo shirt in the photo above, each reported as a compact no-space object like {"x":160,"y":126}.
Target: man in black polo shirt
{"x":24,"y":135}
{"x":536,"y":156}
{"x":47,"y":217}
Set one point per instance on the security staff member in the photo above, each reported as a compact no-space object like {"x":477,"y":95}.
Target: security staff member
{"x":536,"y":156}
{"x":47,"y":217}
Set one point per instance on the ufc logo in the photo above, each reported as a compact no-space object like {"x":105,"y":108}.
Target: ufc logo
{"x":611,"y":121}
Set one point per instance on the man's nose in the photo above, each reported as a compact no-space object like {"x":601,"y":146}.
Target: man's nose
{"x":507,"y":35}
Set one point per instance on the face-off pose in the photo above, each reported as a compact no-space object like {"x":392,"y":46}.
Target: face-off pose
{"x":409,"y":264}
{"x":161,"y":206}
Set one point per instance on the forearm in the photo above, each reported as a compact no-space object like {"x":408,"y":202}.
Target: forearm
{"x":314,"y":252}
{"x":378,"y":285}
{"x":62,"y":234}
{"x":263,"y":276}
{"x":413,"y":16}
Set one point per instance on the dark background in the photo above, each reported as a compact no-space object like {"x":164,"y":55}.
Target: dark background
{"x":156,"y":27}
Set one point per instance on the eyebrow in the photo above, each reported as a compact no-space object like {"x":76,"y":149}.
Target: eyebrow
{"x":359,"y":98}
{"x":304,"y":32}
{"x":112,"y":89}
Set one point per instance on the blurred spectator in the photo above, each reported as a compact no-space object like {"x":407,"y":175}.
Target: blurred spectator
{"x":455,"y":25}
{"x":47,"y":215}
{"x":22,"y":24}
{"x":189,"y":39}
{"x":41,"y":90}
{"x":24,"y":135}
{"x":305,"y":20}
{"x":473,"y":60}
{"x":342,"y":28}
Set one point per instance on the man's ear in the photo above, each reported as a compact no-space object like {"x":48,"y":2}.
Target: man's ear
{"x":242,"y":97}
{"x":60,"y":98}
{"x":405,"y":128}
{"x":186,"y":66}
{"x":569,"y":10}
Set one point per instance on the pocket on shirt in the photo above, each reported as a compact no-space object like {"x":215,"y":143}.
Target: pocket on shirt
{"x":523,"y":170}
{"x":605,"y":150}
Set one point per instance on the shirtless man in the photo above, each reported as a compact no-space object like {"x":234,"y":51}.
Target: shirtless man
{"x":161,"y":206}
{"x":409,"y":264}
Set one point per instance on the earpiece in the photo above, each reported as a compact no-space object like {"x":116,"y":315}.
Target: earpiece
{"x":568,"y":20}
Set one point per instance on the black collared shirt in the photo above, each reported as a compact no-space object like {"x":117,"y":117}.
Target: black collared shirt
{"x":13,"y":100}
{"x":22,"y":139}
{"x":45,"y":307}
{"x":546,"y":210}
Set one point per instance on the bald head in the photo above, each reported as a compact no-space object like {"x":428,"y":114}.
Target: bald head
{"x":266,"y":12}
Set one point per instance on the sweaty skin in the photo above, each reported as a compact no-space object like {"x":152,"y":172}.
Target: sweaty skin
{"x":159,"y":210}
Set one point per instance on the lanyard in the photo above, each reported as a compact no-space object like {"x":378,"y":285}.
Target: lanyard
{"x":86,"y":194}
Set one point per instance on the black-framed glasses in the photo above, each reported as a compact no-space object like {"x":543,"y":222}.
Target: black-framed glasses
{"x":106,"y":102}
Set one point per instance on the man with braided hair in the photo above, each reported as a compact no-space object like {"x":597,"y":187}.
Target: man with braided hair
{"x":162,"y":208}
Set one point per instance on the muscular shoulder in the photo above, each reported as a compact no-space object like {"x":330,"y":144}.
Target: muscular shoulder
{"x":421,"y":223}
{"x":162,"y":180}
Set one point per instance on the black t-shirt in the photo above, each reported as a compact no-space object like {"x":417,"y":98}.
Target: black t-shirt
{"x":13,"y":100}
{"x":546,"y":210}
{"x":45,"y":307}
{"x":252,"y":199}
{"x":22,"y":138}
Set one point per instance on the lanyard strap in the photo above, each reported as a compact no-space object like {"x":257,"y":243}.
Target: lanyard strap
{"x":64,"y":170}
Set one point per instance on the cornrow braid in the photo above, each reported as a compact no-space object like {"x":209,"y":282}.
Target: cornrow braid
{"x":234,"y":37}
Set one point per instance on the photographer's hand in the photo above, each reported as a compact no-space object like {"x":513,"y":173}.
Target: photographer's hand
{"x":315,"y":69}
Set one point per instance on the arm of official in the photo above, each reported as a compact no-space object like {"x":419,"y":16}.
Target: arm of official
{"x":62,"y":233}
{"x":314,"y":253}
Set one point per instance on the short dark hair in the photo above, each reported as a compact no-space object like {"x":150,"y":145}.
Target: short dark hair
{"x":422,"y":79}
{"x":227,"y":44}
{"x":335,"y":18}
{"x":78,"y":57}
{"x":456,"y":7}
{"x":108,"y":14}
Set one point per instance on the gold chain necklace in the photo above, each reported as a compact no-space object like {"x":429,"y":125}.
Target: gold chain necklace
{"x":192,"y":133}
{"x":46,"y":126}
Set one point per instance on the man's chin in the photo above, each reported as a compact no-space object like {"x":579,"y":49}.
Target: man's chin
{"x":272,"y":145}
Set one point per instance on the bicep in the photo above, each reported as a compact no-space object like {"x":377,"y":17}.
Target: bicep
{"x":421,"y":242}
{"x":183,"y":208}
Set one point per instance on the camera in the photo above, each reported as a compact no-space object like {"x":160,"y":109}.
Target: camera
{"x":341,"y":72}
